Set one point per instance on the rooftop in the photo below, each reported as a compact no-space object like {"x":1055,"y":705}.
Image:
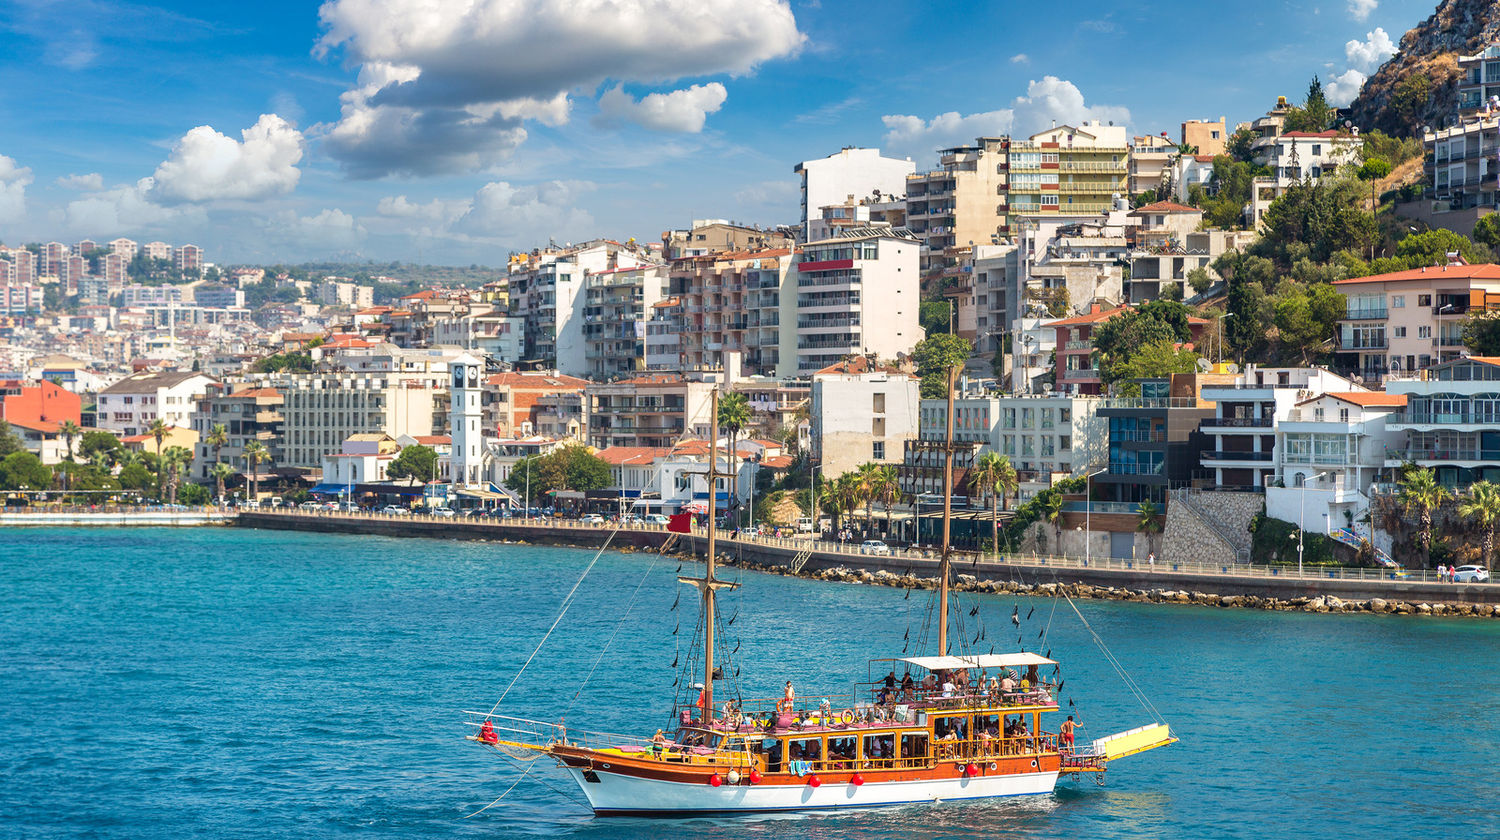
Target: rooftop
{"x":1481,"y":271}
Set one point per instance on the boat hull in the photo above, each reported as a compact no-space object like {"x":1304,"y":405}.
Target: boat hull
{"x":616,"y":794}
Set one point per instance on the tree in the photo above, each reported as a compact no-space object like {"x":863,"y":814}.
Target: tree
{"x":217,"y":437}
{"x":221,"y":473}
{"x":1432,"y":247}
{"x":158,"y":429}
{"x":934,"y":357}
{"x":415,"y":461}
{"x":1421,"y":494}
{"x":994,"y":475}
{"x":734,"y":415}
{"x":1052,"y":512}
{"x":1306,"y":318}
{"x":1200,"y":280}
{"x":1481,"y":333}
{"x":174,"y":461}
{"x":868,"y":475}
{"x":289,"y":362}
{"x":24,"y":471}
{"x":194,"y":494}
{"x":101,"y":449}
{"x":1322,"y":216}
{"x":1122,"y":337}
{"x":1239,"y":143}
{"x":254,"y":454}
{"x":1148,"y":523}
{"x":1410,"y":97}
{"x":582,"y":470}
{"x":523,"y":478}
{"x":69,"y":432}
{"x":887,"y":491}
{"x":10,"y":442}
{"x":1481,"y":507}
{"x":1155,"y":360}
{"x":934,"y":316}
{"x":135,"y":476}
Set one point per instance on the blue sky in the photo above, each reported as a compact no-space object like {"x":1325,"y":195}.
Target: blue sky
{"x":454,"y":132}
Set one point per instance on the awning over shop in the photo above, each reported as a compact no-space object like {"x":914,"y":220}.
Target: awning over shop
{"x":329,"y":489}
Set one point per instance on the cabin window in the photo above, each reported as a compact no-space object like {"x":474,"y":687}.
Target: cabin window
{"x":841,"y":753}
{"x":956,"y":726}
{"x":774,"y":753}
{"x":914,"y":746}
{"x":804,"y":749}
{"x":880,"y":747}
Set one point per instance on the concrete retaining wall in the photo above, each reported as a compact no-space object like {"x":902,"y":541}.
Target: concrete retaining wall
{"x":114,"y":519}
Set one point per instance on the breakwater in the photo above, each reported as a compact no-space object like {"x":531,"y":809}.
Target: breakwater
{"x":122,"y":517}
{"x":1320,"y":590}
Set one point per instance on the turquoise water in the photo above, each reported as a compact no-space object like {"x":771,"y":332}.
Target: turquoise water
{"x":208,"y":682}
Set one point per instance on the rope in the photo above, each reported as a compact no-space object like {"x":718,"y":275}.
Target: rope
{"x":507,"y":791}
{"x":602,"y":651}
{"x":567,"y":602}
{"x":1130,"y":683}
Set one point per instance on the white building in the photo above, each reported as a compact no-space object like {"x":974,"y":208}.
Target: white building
{"x":321,"y":411}
{"x":548,"y":290}
{"x":850,"y":172}
{"x":1329,"y":449}
{"x":857,"y":294}
{"x":128,"y":406}
{"x":335,"y":291}
{"x":467,"y":458}
{"x":1298,"y":156}
{"x":861,"y":412}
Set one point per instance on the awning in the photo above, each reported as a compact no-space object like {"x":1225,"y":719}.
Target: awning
{"x":476,"y":493}
{"x":987,"y":660}
{"x":329,"y":489}
{"x":566,"y":495}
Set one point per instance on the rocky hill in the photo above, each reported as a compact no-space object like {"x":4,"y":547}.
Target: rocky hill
{"x":1417,"y":86}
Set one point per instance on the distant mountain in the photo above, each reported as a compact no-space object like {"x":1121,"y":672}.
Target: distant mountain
{"x":1418,"y":86}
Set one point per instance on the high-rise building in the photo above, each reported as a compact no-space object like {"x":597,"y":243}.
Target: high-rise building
{"x":53,"y":253}
{"x":116,"y":271}
{"x":850,"y":173}
{"x":1150,"y":159}
{"x":617,"y":303}
{"x":70,"y":270}
{"x":1478,"y":80}
{"x":1069,"y":171}
{"x":962,"y":203}
{"x":85,"y":247}
{"x":857,"y":294}
{"x":157,"y":250}
{"x":124,"y":247}
{"x":189,"y":259}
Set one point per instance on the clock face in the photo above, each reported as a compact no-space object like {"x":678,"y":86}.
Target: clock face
{"x":458,"y":378}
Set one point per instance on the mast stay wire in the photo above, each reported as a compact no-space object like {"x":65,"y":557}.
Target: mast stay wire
{"x":567,"y":602}
{"x":1129,"y":681}
{"x":630,"y":605}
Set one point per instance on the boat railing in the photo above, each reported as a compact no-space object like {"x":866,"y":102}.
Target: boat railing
{"x":931,"y":699}
{"x":935,"y":752}
{"x":542,"y":733}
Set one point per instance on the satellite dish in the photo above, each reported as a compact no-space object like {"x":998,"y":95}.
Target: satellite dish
{"x":1232,"y":367}
{"x":1204,"y":366}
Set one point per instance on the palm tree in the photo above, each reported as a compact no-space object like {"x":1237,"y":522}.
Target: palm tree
{"x":217,"y":437}
{"x":994,"y":475}
{"x":887,"y":491}
{"x":1052,"y":511}
{"x":158,"y":430}
{"x":1421,"y":495}
{"x":221,"y":473}
{"x":869,"y":474}
{"x":734,"y":415}
{"x":69,"y":431}
{"x":254,"y":453}
{"x":174,"y":460}
{"x":1149,"y":524}
{"x":1482,"y":507}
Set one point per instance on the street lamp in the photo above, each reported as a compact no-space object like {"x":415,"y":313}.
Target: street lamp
{"x":1088,"y":512}
{"x":1302,"y":517}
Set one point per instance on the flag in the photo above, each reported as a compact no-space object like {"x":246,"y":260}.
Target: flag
{"x":680,"y":523}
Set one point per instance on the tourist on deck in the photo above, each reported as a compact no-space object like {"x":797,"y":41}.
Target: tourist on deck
{"x":908,"y":686}
{"x":890,"y":679}
{"x":658,"y":743}
{"x":961,"y":679}
{"x":1065,"y":733}
{"x":949,"y":689}
{"x":487,"y":733}
{"x":788,"y":700}
{"x":929,"y":683}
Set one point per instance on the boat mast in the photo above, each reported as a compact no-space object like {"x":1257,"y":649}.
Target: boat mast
{"x":708,"y":584}
{"x":947,"y":518}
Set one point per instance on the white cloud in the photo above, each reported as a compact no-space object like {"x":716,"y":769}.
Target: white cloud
{"x":1367,"y":55}
{"x":330,"y":231}
{"x":503,"y":212}
{"x":1341,"y":89}
{"x":778,"y":195}
{"x":1360,"y":9}
{"x":471,"y":72}
{"x":206,"y":165}
{"x":89,"y":182}
{"x":437,"y":211}
{"x":1020,"y":58}
{"x":118,"y":209}
{"x":13,"y":182}
{"x":1046,"y":100}
{"x":681,"y":110}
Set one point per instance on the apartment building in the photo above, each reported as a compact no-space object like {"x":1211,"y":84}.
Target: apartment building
{"x":617,"y":303}
{"x":1069,"y":171}
{"x":1406,"y":321}
{"x":336,"y":291}
{"x":964,"y":202}
{"x":1330,"y":450}
{"x":321,"y":411}
{"x":648,"y":410}
{"x":1188,"y":171}
{"x":1298,"y":156}
{"x":663,"y":342}
{"x":38,"y":401}
{"x":1460,"y":161}
{"x":23,"y":265}
{"x":1150,"y":162}
{"x":1068,"y":264}
{"x":1047,"y":437}
{"x":710,"y":236}
{"x":851,"y":172}
{"x":733,"y":305}
{"x":1451,"y":422}
{"x":547,"y":288}
{"x":1242,"y":433}
{"x":248,"y":414}
{"x":1167,"y":246}
{"x":861,"y":412}
{"x":1266,"y":129}
{"x":514,"y":404}
{"x":123,"y":247}
{"x":857,"y":294}
{"x":128,"y":406}
{"x":188,"y":259}
{"x":1478,"y":80}
{"x":995,"y":270}
{"x":1154,"y":442}
{"x":157,"y":251}
{"x":1207,"y":137}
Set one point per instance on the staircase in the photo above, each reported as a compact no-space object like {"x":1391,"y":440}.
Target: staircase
{"x":800,"y":560}
{"x":1240,"y":548}
{"x":1349,"y":538}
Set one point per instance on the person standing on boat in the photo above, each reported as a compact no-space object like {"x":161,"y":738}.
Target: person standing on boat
{"x":1065,"y":733}
{"x":788,"y":700}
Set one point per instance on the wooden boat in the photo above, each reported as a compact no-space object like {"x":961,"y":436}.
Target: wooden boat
{"x":973,"y":727}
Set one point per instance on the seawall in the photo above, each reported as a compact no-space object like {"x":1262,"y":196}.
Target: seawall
{"x":1229,"y":586}
{"x":120,"y":518}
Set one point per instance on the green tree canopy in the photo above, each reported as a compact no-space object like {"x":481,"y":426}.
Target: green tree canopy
{"x":1157,"y":359}
{"x":103,"y":448}
{"x":1374,"y":168}
{"x":415,"y":461}
{"x":1481,"y":334}
{"x":24,"y":470}
{"x":1322,"y":217}
{"x":135,"y":476}
{"x":933,"y":357}
{"x":1487,"y":231}
{"x":9,"y":441}
{"x":566,"y":468}
{"x":1117,"y":339}
{"x":1431,"y":247}
{"x":934,"y":316}
{"x":289,"y":362}
{"x":1306,"y":318}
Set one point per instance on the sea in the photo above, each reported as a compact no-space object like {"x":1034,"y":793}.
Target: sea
{"x":224,"y":683}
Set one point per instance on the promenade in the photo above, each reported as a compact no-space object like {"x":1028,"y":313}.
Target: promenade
{"x":819,"y":558}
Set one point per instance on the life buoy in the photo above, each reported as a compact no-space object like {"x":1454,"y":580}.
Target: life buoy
{"x":846,"y":717}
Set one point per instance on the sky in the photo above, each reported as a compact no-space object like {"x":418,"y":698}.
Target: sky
{"x":456,"y":131}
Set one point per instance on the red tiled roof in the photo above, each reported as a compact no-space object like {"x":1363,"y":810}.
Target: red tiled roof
{"x":536,"y":380}
{"x":777,"y":462}
{"x":38,"y":425}
{"x":1481,"y":271}
{"x":1164,"y":207}
{"x":1204,"y":158}
{"x":432,"y":440}
{"x":1368,"y":398}
{"x":256,"y":392}
{"x":855,"y":365}
{"x":618,"y":456}
{"x":1090,"y":317}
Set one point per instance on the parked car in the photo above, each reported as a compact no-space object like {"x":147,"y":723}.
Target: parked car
{"x":874,"y":547}
{"x":309,"y":506}
{"x":445,"y":512}
{"x":591,"y":519}
{"x":1471,"y":574}
{"x":394,"y":510}
{"x":658,"y":518}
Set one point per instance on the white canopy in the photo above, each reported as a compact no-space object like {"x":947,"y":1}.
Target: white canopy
{"x":986,"y":660}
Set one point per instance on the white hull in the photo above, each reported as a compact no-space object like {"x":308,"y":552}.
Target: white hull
{"x":623,"y":795}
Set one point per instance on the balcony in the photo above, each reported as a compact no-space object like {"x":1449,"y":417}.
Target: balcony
{"x":1230,"y":455}
{"x":1365,"y":313}
{"x":1347,"y":343}
{"x":1442,"y":454}
{"x":1238,"y":422}
{"x":1136,"y":469}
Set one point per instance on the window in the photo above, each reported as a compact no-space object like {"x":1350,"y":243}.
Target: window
{"x":1424,"y":300}
{"x":1028,"y":419}
{"x":1424,"y":332}
{"x":1343,"y":415}
{"x":1065,"y":443}
{"x":877,"y":450}
{"x":879,"y":403}
{"x":1398,"y":301}
{"x":877,"y":427}
{"x":1401,"y":332}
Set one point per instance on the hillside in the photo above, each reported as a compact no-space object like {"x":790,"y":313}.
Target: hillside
{"x":1417,"y":86}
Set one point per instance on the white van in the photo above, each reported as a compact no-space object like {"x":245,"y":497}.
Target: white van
{"x":805,"y":525}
